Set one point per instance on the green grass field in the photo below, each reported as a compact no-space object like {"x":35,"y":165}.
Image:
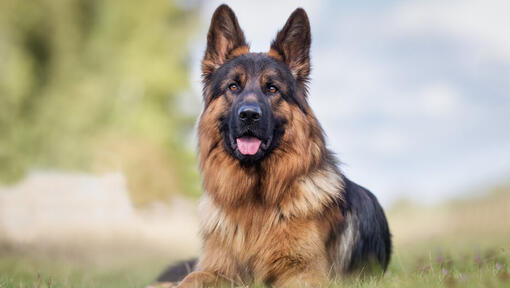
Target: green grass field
{"x":425,"y":268}
{"x":458,"y":244}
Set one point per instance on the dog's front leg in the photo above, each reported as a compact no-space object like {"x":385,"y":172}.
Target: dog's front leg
{"x":199,"y":279}
{"x":307,"y":279}
{"x":297,"y":271}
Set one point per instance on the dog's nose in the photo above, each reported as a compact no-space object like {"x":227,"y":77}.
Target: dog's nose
{"x":249,"y":113}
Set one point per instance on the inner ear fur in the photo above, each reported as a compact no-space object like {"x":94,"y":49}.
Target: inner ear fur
{"x":292,"y":45}
{"x":225,"y":40}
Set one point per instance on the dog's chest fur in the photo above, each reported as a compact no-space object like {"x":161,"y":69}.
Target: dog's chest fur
{"x":252,"y":238}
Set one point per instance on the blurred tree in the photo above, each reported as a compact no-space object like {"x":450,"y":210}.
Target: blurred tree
{"x":93,"y":85}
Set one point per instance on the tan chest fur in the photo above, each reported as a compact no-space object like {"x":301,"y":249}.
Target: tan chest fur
{"x":255,"y":241}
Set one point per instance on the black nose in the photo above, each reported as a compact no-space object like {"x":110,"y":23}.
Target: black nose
{"x":249,"y":113}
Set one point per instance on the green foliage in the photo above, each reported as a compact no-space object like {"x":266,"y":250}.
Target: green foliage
{"x":87,"y":84}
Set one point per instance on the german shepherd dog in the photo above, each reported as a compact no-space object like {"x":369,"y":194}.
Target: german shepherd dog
{"x":276,"y":209}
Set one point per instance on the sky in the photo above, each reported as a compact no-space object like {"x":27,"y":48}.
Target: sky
{"x":414,"y":96}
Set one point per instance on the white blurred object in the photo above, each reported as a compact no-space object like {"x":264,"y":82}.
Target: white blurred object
{"x":48,"y":204}
{"x":66,"y":207}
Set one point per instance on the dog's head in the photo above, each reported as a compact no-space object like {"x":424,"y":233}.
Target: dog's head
{"x":251,"y":97}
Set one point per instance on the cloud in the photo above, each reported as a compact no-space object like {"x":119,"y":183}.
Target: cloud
{"x":438,"y":100}
{"x":482,"y":25}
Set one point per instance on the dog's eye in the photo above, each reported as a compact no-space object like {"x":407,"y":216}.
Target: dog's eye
{"x":233,"y":87}
{"x":272,"y":89}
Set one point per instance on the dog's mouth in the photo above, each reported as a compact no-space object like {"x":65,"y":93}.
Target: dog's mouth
{"x":249,"y":145}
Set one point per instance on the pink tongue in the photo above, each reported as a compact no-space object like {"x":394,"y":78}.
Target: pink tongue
{"x":248,"y":145}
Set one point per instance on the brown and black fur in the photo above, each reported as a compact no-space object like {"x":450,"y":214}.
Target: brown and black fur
{"x":285,"y":216}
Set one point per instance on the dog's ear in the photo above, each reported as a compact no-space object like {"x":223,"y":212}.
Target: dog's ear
{"x":292,"y":44}
{"x":225,"y":40}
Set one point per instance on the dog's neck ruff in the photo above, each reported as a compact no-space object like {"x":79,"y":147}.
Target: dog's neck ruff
{"x":307,"y":195}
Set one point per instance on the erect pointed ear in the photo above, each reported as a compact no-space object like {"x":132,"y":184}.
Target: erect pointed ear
{"x":225,"y":40}
{"x":292,"y":44}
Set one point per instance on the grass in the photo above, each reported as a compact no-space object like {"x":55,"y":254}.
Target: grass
{"x":457,"y":244}
{"x":56,"y":268}
{"x":425,"y":268}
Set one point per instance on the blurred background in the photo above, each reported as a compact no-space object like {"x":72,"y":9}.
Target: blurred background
{"x":99,"y":100}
